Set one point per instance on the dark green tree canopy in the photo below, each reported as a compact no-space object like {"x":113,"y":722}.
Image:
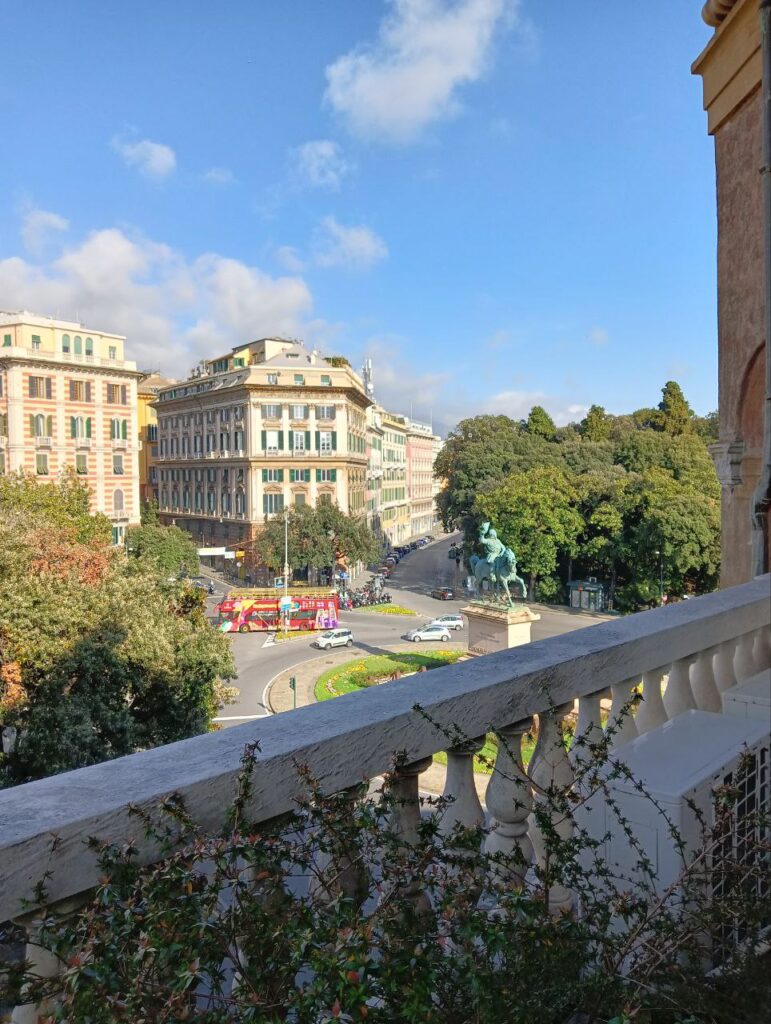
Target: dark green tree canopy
{"x":317,"y":537}
{"x":540,"y":423}
{"x":676,"y":413}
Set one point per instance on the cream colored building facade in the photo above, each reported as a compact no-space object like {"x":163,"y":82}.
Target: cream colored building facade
{"x":421,"y":446}
{"x":268,"y":425}
{"x":394,"y":501}
{"x":68,"y":398}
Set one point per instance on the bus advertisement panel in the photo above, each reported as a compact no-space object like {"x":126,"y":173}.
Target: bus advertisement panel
{"x":242,"y":614}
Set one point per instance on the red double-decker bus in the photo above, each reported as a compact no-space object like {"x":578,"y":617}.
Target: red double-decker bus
{"x":257,"y":611}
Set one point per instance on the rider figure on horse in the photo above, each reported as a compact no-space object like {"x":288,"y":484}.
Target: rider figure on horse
{"x":488,"y":538}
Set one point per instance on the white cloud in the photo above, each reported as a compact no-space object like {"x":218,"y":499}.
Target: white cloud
{"x":37,"y":227}
{"x":599,"y":337}
{"x":517,"y":405}
{"x":321,"y":164}
{"x":173,"y":311}
{"x":219,"y":176}
{"x":290,"y":259}
{"x":357,"y":248}
{"x":152,"y":159}
{"x":425,"y":51}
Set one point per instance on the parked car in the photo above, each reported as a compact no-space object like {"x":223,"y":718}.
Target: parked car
{"x":443,"y":594}
{"x":201,"y":584}
{"x":384,"y":570}
{"x":422,"y":542}
{"x":452,"y":621}
{"x":429,"y":632}
{"x":413,"y":545}
{"x":333,"y":638}
{"x":429,"y":537}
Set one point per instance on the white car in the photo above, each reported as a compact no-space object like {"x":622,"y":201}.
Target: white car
{"x":433,"y":631}
{"x":333,"y":638}
{"x":454,"y":621}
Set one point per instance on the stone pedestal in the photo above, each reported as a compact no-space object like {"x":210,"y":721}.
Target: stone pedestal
{"x":497,"y":628}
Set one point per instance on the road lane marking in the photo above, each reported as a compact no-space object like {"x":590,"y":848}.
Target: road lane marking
{"x":270,"y":640}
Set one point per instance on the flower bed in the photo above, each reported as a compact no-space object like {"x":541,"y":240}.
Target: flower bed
{"x":377,"y":668}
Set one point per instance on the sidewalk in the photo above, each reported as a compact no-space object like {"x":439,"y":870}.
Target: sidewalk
{"x":280,"y":696}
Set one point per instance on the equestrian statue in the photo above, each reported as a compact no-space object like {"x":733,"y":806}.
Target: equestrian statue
{"x":499,"y":565}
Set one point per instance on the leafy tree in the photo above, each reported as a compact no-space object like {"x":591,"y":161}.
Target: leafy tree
{"x":596,"y":425}
{"x":676,"y":413}
{"x":64,"y":503}
{"x":168,"y":548}
{"x":317,"y":537}
{"x":540,"y":423}
{"x":707,"y":427}
{"x":98,"y":656}
{"x":149,"y":514}
{"x":535,"y":515}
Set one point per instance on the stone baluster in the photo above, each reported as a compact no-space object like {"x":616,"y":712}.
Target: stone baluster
{"x":678,"y":696}
{"x":463,"y":806}
{"x":761,"y":650}
{"x":509,"y":800}
{"x":703,"y":685}
{"x":405,"y":815}
{"x":588,"y":727}
{"x":651,"y":711}
{"x":336,"y":873}
{"x":744,"y":662}
{"x":551,"y":775}
{"x":621,"y":718}
{"x":723,"y":665}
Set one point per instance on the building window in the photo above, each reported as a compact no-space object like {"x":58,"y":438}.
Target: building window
{"x":299,"y":498}
{"x":89,"y":346}
{"x":272,"y":476}
{"x":117,"y":500}
{"x":271,"y":412}
{"x":80,"y":426}
{"x":7,"y":339}
{"x":224,"y":443}
{"x":112,"y":352}
{"x":78,"y":345}
{"x":117,"y":394}
{"x":40,"y":387}
{"x":41,"y":464}
{"x":325,"y":412}
{"x":240,"y":503}
{"x":299,"y":476}
{"x":326,"y":379}
{"x":117,"y":465}
{"x":80,"y":390}
{"x":299,"y":379}
{"x":152,"y":432}
{"x":298,"y":440}
{"x":328,"y":476}
{"x":238,"y":440}
{"x":272,"y":377}
{"x":298,"y":412}
{"x":36,"y":342}
{"x":65,"y":343}
{"x":272,"y":503}
{"x":327,"y":440}
{"x":272,"y":440}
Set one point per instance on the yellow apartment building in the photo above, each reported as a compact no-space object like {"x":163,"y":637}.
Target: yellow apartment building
{"x":68,"y":398}
{"x":268,"y":425}
{"x":394,"y":500}
{"x":147,"y":421}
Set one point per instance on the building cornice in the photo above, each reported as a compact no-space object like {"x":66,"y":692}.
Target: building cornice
{"x":729,"y":65}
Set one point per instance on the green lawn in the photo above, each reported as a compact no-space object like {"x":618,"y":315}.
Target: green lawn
{"x":387,"y":609}
{"x":364,"y":672}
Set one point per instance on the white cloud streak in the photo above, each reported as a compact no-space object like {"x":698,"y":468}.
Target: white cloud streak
{"x":219,"y":176}
{"x":152,"y":159}
{"x":321,"y":164}
{"x":356,"y":248}
{"x":426,"y":50}
{"x":173,"y":311}
{"x":38,"y":227}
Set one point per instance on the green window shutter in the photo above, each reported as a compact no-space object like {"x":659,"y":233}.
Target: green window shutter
{"x":291,"y":440}
{"x":72,"y":426}
{"x":88,"y":390}
{"x":31,"y":425}
{"x":281,"y":440}
{"x":88,"y":426}
{"x":281,"y":476}
{"x":263,"y":439}
{"x":334,"y":440}
{"x":307,"y":476}
{"x":307,"y":440}
{"x":49,"y":387}
{"x":50,"y":426}
{"x":317,"y":440}
{"x":264,"y":476}
{"x":124,"y":430}
{"x":334,"y":476}
{"x":318,"y":476}
{"x":264,"y":504}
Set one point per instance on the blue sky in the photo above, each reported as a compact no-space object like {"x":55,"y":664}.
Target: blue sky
{"x":500,"y":202}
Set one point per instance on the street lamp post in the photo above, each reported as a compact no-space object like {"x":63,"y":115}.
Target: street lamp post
{"x":286,"y":572}
{"x":660,"y":557}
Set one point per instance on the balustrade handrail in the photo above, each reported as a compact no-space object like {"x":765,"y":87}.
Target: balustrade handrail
{"x":345,"y":740}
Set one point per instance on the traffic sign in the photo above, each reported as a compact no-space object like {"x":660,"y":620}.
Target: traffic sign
{"x":278,"y":581}
{"x":285,"y":604}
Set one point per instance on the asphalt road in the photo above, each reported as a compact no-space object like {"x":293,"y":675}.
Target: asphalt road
{"x":259,"y":660}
